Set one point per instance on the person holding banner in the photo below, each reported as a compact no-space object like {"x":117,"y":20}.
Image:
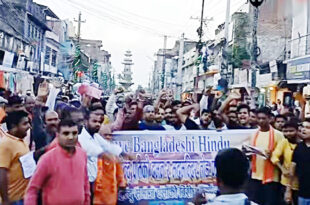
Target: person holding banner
{"x":95,"y":146}
{"x":264,"y":187}
{"x":159,"y":115}
{"x":205,"y":118}
{"x":172,"y":122}
{"x":148,"y":122}
{"x":110,"y":177}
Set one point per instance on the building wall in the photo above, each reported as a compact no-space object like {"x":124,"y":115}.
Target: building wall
{"x":14,"y":16}
{"x":189,"y":70}
{"x":50,"y":63}
{"x":274,"y":29}
{"x":300,"y":28}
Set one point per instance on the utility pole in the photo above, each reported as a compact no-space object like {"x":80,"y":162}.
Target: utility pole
{"x":180,"y":64}
{"x":224,"y":63}
{"x":254,"y":47}
{"x":79,"y":21}
{"x":77,"y":60}
{"x":163,"y":75}
{"x":199,"y":44}
{"x":255,"y":50}
{"x":227,"y":20}
{"x":201,"y":20}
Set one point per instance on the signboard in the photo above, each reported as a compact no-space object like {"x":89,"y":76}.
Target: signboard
{"x":243,"y":76}
{"x":236,"y":76}
{"x":298,"y":69}
{"x":273,"y":66}
{"x":8,"y":59}
{"x":173,"y":166}
{"x":263,"y":80}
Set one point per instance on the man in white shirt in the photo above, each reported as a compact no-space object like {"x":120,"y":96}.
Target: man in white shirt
{"x":95,"y":145}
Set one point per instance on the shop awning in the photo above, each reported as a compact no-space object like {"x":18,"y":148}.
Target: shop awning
{"x":12,"y":70}
{"x":241,"y":85}
{"x":298,"y":81}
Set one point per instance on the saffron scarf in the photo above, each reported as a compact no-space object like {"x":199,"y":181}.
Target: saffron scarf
{"x":269,"y":167}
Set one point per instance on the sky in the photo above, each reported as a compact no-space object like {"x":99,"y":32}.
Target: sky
{"x":140,"y":26}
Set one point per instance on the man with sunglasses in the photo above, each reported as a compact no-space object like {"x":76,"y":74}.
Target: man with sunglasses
{"x":66,"y":181}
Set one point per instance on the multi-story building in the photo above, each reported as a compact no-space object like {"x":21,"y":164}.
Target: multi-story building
{"x":298,"y":63}
{"x":14,"y":48}
{"x":22,"y":43}
{"x":169,"y":61}
{"x":99,"y":69}
{"x":274,"y":30}
{"x":23,"y":24}
{"x":34,"y":26}
{"x":235,"y":62}
{"x":59,"y":49}
{"x":52,"y":55}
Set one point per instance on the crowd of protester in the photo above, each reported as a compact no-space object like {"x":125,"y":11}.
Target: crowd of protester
{"x":78,"y":164}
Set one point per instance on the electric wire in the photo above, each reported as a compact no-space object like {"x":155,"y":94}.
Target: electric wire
{"x":106,"y":17}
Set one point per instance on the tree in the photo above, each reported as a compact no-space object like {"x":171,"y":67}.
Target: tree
{"x":95,"y":72}
{"x":236,"y":55}
{"x":104,"y":81}
{"x":76,"y":63}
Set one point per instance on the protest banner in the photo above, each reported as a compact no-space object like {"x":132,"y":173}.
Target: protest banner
{"x":172,"y":166}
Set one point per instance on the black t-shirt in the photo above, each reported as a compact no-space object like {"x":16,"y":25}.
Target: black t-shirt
{"x":144,"y":126}
{"x":301,"y":157}
{"x":235,"y":126}
{"x":191,"y":125}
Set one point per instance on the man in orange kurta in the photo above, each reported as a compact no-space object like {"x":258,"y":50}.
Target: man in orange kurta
{"x":110,"y":177}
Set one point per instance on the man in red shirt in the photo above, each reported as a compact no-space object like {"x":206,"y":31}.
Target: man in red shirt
{"x":61,"y":173}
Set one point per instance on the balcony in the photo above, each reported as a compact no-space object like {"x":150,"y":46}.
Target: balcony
{"x":299,"y":46}
{"x":36,"y":11}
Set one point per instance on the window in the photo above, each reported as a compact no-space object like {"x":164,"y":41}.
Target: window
{"x":54,"y":58}
{"x":29,"y":30}
{"x":47,"y":55}
{"x":35,"y":52}
{"x":15,"y":60}
{"x":35,"y":33}
{"x":6,"y":41}
{"x":1,"y":57}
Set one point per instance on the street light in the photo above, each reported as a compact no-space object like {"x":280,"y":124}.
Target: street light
{"x":256,"y":3}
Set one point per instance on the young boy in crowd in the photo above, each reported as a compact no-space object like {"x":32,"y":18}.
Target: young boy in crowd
{"x":301,"y":165}
{"x":110,"y":176}
{"x":279,"y":122}
{"x":284,"y":152}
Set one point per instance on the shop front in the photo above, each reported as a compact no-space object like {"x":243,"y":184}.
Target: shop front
{"x":15,"y":80}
